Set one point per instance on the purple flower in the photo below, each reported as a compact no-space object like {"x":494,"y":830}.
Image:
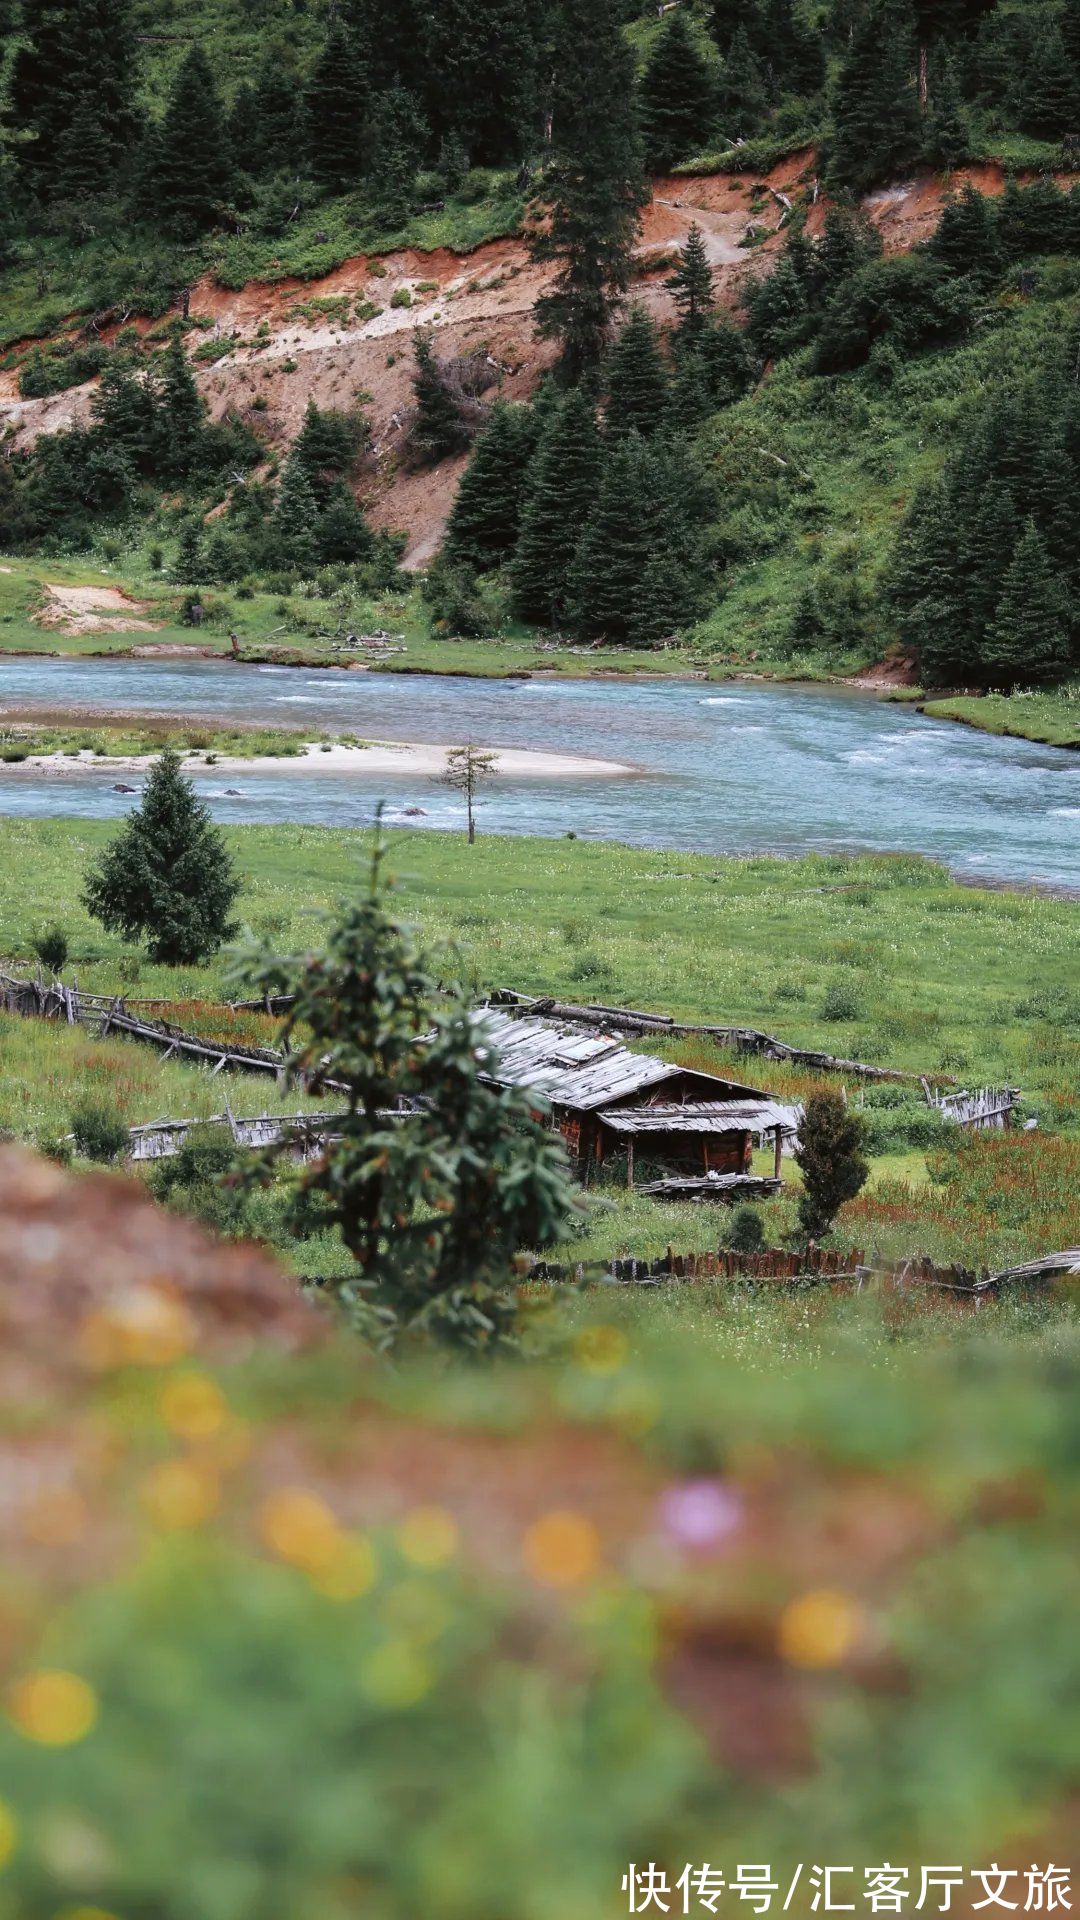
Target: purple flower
{"x":700,"y":1514}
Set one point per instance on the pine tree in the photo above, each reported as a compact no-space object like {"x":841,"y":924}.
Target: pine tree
{"x":678,"y":97}
{"x":188,"y":567}
{"x":561,"y":494}
{"x":637,"y":379}
{"x":168,"y":876}
{"x":849,"y":241}
{"x":691,"y":288}
{"x":630,"y":579}
{"x":875,"y":109}
{"x":595,"y":184}
{"x":485,"y":519}
{"x":327,"y":447}
{"x":729,"y":362}
{"x":181,"y":411}
{"x":75,"y":61}
{"x":1028,"y":641}
{"x":778,"y":308}
{"x":84,"y":153}
{"x":794,"y":53}
{"x":438,"y":429}
{"x":691,"y":401}
{"x":335,"y":107}
{"x":946,"y":132}
{"x":190,"y":171}
{"x":295,"y":518}
{"x":1047,"y":101}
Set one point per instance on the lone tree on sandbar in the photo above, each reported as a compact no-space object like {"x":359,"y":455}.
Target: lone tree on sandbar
{"x":168,"y":876}
{"x":466,"y":770}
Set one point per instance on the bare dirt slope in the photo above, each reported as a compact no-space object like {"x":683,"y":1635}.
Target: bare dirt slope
{"x":345,"y":340}
{"x":94,"y":610}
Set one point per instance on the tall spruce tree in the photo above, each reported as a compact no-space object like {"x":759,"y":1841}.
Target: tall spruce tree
{"x":295,"y":519}
{"x":677,"y":95}
{"x":742,"y":96}
{"x":637,"y":379}
{"x":168,"y":877}
{"x":874,"y":104}
{"x":595,"y":185}
{"x":266,"y":122}
{"x":561,"y":494}
{"x":189,"y":173}
{"x":335,"y":110}
{"x":966,"y":237}
{"x":946,"y":130}
{"x":75,"y":61}
{"x":1028,"y":640}
{"x":482,"y":76}
{"x":181,"y":410}
{"x":630,"y":581}
{"x":1047,"y":93}
{"x":691,"y":288}
{"x":486,"y":516}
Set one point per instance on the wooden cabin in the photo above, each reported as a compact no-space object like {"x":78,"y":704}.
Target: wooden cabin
{"x":607,"y":1100}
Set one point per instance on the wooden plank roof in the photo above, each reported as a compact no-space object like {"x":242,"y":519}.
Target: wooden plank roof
{"x":582,"y":1071}
{"x":708,"y":1116}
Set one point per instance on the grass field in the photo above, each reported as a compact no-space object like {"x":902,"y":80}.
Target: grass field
{"x":926,"y":976}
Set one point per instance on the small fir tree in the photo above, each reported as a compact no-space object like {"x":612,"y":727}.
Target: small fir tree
{"x":741,"y":93}
{"x":434,"y":1203}
{"x":561,"y":494}
{"x":637,"y":379}
{"x":691,"y":288}
{"x":486,"y":516}
{"x":678,"y":97}
{"x":181,"y":410}
{"x":966,"y":237}
{"x":438,"y":429}
{"x":168,"y":877}
{"x":946,"y":131}
{"x":295,"y":518}
{"x":190,"y":173}
{"x":335,"y":107}
{"x":830,"y":1156}
{"x":1028,"y":641}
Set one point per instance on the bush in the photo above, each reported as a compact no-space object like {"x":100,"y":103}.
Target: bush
{"x":51,"y":948}
{"x":841,"y":1002}
{"x":746,"y":1234}
{"x":99,"y":1131}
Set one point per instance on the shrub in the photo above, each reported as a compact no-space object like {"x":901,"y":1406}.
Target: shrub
{"x":841,"y":1002}
{"x":99,"y":1131}
{"x":51,"y":948}
{"x":746,"y":1234}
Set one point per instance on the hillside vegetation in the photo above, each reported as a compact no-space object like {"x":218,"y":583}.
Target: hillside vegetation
{"x":737,"y":489}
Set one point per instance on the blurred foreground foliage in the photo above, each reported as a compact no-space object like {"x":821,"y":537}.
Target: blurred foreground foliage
{"x":305,"y":1637}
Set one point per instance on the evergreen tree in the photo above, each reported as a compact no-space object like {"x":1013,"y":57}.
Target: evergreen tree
{"x":266,"y":130}
{"x":168,"y":876}
{"x":84,"y":153}
{"x":966,"y":238}
{"x":678,"y":97}
{"x":1048,"y":97}
{"x":561,"y":494}
{"x":831,"y":1159}
{"x":398,"y":138}
{"x":742,"y":94}
{"x":181,"y":411}
{"x":188,"y":568}
{"x":189,"y":172}
{"x":1028,"y":641}
{"x":438,"y":428}
{"x":637,"y":379}
{"x":335,"y":108}
{"x":75,"y":63}
{"x":482,"y":78}
{"x":327,"y":447}
{"x":729,"y":362}
{"x":779,"y":307}
{"x":393,"y":41}
{"x":691,"y":288}
{"x":434,"y":1204}
{"x":341,"y":532}
{"x":691,"y":401}
{"x":946,"y":132}
{"x":295,"y":518}
{"x":849,"y":241}
{"x":630,"y":580}
{"x":794,"y":53}
{"x":125,"y":411}
{"x":595,"y":184}
{"x":486,"y":516}
{"x":875,"y":110}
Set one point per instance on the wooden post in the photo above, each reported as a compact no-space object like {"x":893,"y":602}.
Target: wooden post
{"x":630,"y":1164}
{"x":778,"y":1148}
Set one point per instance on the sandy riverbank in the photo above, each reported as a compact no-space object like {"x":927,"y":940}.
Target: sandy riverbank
{"x":379,"y":756}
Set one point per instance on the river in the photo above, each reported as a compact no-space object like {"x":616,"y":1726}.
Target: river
{"x":720,"y":768}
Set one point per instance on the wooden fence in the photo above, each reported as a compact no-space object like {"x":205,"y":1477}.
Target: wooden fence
{"x":813,"y":1264}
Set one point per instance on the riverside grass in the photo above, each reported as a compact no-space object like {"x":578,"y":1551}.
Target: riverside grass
{"x":938,"y":978}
